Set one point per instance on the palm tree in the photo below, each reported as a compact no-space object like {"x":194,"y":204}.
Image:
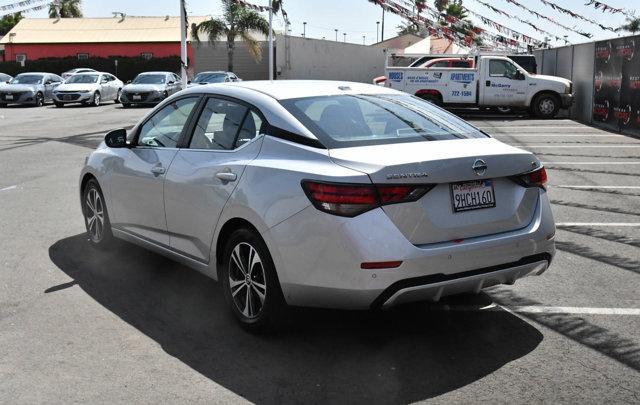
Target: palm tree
{"x":8,"y":22}
{"x":441,"y":5}
{"x":65,"y":9}
{"x":237,"y":21}
{"x":408,"y":28}
{"x":632,"y":25}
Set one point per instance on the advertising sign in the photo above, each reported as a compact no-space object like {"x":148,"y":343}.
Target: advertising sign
{"x":616,"y":82}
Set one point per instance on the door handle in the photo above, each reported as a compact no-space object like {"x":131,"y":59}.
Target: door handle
{"x":488,"y":83}
{"x":226,"y":176}
{"x":157,"y":170}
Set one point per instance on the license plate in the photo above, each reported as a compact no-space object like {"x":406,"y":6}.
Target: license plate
{"x":67,"y":98}
{"x":472,"y":195}
{"x":137,"y":98}
{"x":8,"y":97}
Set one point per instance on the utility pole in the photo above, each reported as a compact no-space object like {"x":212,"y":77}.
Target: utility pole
{"x":377,"y":31}
{"x":270,"y":41}
{"x":382,"y":23}
{"x":304,"y":29}
{"x":363,"y":40}
{"x":345,"y":37}
{"x":336,"y":30}
{"x":183,"y":42}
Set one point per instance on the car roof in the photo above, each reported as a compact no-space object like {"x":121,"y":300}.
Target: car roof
{"x":155,"y":73}
{"x":36,"y":73}
{"x":213,"y":71}
{"x":288,"y":89}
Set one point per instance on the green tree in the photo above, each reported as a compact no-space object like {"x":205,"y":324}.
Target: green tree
{"x":65,"y":9}
{"x":8,"y":22}
{"x":441,"y":5}
{"x":408,"y":28}
{"x":632,"y":25}
{"x":237,"y":21}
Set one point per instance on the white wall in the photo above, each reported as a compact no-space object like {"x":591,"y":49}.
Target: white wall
{"x":304,"y":58}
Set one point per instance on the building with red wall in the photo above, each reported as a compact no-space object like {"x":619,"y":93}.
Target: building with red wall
{"x":149,"y":37}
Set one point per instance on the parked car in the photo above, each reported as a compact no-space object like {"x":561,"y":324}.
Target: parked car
{"x":4,"y":78}
{"x":325,"y":194}
{"x":150,"y":88}
{"x":29,"y":88}
{"x":89,"y":89}
{"x":72,"y":72}
{"x":213,"y":77}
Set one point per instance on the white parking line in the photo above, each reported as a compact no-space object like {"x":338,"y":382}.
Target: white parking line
{"x":601,"y":146}
{"x":535,"y":127}
{"x":598,"y":224}
{"x":8,"y":188}
{"x":603,"y":187}
{"x":591,"y":163}
{"x":534,"y":135}
{"x":541,"y":309}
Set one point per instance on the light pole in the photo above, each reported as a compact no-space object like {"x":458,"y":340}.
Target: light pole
{"x":270,"y":41}
{"x":304,"y":29}
{"x":345,"y":37}
{"x":377,"y":31}
{"x":336,"y":30}
{"x":382,"y":36}
{"x":363,"y":40}
{"x":183,"y":41}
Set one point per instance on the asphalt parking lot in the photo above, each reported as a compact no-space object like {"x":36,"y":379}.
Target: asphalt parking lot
{"x":78,"y":325}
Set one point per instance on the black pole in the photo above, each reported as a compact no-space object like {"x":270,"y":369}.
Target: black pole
{"x":382,"y":37}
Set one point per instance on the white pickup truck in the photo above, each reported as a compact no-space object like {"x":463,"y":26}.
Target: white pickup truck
{"x":493,"y":81}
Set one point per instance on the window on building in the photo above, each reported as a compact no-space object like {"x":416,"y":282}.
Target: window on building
{"x":83,"y":56}
{"x":146,"y":55}
{"x":21,"y":58}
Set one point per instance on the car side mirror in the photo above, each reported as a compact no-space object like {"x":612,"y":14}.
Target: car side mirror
{"x":116,"y":138}
{"x":189,"y":82}
{"x":171,"y":82}
{"x":48,"y":82}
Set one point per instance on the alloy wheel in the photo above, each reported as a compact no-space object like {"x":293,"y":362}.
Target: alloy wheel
{"x":96,"y":99}
{"x":247,"y":280}
{"x":94,"y":212}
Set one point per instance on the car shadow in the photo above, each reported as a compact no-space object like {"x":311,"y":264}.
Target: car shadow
{"x":404,"y":355}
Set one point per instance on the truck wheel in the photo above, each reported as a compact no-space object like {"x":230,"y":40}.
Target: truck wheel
{"x":546,"y":106}
{"x":503,"y":110}
{"x":432,"y":98}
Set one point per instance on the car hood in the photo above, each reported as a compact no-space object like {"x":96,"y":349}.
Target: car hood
{"x":554,"y":79}
{"x":144,"y":87}
{"x":20,"y":87}
{"x":78,"y":87}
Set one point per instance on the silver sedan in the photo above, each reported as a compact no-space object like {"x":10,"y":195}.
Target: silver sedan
{"x":150,"y":88}
{"x":325,"y":194}
{"x":88,"y":89}
{"x":29,"y":88}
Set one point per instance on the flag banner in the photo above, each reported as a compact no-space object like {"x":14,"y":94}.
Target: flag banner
{"x":575,"y":15}
{"x":251,"y":6}
{"x":605,"y":7}
{"x":22,"y":4}
{"x":616,"y":85}
{"x":9,"y":9}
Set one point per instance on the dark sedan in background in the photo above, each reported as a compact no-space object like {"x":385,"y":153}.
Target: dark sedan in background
{"x":29,"y":88}
{"x":150,"y":88}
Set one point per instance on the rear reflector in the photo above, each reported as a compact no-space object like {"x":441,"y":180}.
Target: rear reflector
{"x":536,"y":178}
{"x":349,"y":200}
{"x":380,"y":265}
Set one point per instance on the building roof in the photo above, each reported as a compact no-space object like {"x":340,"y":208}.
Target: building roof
{"x":96,"y":30}
{"x":399,"y":42}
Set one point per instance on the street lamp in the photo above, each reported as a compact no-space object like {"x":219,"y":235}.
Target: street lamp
{"x":345,"y":37}
{"x":336,"y":30}
{"x":304,"y":29}
{"x":377,"y":31}
{"x":363,"y":40}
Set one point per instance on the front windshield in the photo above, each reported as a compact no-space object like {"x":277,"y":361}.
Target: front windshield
{"x":150,"y":79}
{"x":210,"y":78}
{"x":357,"y":120}
{"x":83,"y":79}
{"x":27,"y":79}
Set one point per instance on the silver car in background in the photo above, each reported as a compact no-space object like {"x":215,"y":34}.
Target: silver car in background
{"x":150,"y":88}
{"x":88,"y":89}
{"x":203,"y":78}
{"x":323,"y":194}
{"x":29,"y":88}
{"x":5,"y":78}
{"x":72,"y":72}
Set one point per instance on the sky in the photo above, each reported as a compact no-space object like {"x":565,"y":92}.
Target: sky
{"x":357,"y":18}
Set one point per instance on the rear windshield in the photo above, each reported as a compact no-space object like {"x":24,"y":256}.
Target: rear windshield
{"x":357,"y":120}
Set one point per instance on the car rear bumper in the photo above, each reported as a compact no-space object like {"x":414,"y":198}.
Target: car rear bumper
{"x":318,"y":258}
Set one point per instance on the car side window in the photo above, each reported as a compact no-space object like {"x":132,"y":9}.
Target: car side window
{"x":251,"y":127}
{"x":502,"y":68}
{"x":165,"y":127}
{"x":219,"y":125}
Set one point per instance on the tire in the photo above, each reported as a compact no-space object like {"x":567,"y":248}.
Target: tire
{"x":95,"y":102}
{"x":39,"y":100}
{"x":503,"y":110}
{"x":256,"y":299}
{"x":59,"y":105}
{"x":432,"y":98}
{"x":546,"y":106}
{"x":126,"y":105}
{"x":3,"y":105}
{"x":117,"y":100}
{"x":96,"y":217}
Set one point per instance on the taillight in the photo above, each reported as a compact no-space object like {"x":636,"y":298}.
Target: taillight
{"x":349,"y":200}
{"x":536,"y":178}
